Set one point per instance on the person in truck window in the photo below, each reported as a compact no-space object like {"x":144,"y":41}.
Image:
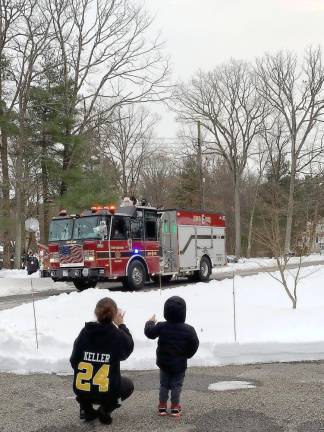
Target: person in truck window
{"x":96,"y":357}
{"x":32,"y":263}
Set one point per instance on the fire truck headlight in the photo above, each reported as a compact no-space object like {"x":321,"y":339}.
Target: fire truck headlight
{"x":89,"y":255}
{"x":85,"y":272}
{"x":54,"y":257}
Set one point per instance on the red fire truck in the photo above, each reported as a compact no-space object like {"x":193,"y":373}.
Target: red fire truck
{"x":133,"y":244}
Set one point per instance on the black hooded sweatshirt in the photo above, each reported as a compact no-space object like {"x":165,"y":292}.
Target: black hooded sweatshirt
{"x":96,"y":357}
{"x":177,"y":341}
{"x":32,"y":264}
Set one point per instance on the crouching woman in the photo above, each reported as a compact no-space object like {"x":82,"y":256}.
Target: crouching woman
{"x":96,"y":357}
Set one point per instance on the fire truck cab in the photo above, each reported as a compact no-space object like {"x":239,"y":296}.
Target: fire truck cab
{"x":133,"y":244}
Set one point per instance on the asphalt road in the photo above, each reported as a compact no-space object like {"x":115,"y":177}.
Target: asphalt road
{"x":16,"y":300}
{"x":287,"y":397}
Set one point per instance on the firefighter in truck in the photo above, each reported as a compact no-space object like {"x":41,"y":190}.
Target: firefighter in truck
{"x":133,"y":244}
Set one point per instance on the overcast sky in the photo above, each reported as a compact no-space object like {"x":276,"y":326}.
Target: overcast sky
{"x":204,"y":33}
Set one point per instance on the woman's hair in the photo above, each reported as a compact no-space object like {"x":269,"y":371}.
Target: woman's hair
{"x":105,"y":310}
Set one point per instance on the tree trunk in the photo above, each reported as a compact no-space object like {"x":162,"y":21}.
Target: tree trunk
{"x":5,"y":199}
{"x":290,"y":207}
{"x":237,"y":215}
{"x":65,"y":165}
{"x":45,"y":193}
{"x":249,"y":245}
{"x":19,"y":205}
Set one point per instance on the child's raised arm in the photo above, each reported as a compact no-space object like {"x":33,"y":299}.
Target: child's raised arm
{"x":152,"y":328}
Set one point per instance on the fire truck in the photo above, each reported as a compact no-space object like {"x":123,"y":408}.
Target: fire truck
{"x":133,"y":244}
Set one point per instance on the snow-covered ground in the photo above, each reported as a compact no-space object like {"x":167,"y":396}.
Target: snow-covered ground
{"x":17,"y":282}
{"x":263,"y":263}
{"x":267,"y":327}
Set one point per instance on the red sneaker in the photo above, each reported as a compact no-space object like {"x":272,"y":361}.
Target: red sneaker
{"x":176,"y":410}
{"x":162,"y":409}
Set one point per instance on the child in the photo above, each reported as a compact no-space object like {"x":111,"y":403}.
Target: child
{"x":177,"y":343}
{"x":96,"y":357}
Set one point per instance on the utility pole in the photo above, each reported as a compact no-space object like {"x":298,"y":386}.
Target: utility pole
{"x":200,"y":170}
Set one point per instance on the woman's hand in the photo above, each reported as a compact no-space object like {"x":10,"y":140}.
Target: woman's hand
{"x":119,"y":318}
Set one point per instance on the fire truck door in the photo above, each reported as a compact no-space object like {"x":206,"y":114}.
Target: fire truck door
{"x":169,"y":242}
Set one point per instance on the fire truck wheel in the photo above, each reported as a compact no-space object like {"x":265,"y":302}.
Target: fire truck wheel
{"x":204,"y":272}
{"x":82,"y":285}
{"x":136,"y":275}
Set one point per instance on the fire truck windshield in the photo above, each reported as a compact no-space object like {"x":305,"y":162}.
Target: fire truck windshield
{"x":60,"y":229}
{"x":87,"y":227}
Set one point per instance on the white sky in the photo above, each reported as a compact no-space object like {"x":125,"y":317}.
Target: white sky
{"x":200,"y":34}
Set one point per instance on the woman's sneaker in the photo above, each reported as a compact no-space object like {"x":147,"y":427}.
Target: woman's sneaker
{"x":162,"y":409}
{"x":104,"y":416}
{"x":175,"y":410}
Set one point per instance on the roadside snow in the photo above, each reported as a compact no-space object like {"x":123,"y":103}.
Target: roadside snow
{"x":16,"y":274}
{"x":263,"y":263}
{"x":17,"y":282}
{"x":267,"y":328}
{"x":230,"y":385}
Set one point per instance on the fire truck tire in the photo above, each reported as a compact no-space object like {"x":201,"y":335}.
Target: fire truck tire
{"x":82,"y":285}
{"x":136,"y":276}
{"x":165,"y":278}
{"x":204,"y":272}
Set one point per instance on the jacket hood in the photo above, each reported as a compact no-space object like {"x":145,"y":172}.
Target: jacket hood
{"x":175,"y":310}
{"x":98,"y":328}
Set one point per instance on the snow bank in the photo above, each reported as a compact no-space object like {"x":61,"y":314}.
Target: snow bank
{"x":264,"y":263}
{"x":267,"y":328}
{"x":16,"y":274}
{"x":17,"y":282}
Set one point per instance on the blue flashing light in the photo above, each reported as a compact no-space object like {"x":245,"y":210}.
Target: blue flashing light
{"x":136,"y":251}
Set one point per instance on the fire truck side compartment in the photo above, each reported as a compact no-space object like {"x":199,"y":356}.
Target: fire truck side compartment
{"x":186,"y":236}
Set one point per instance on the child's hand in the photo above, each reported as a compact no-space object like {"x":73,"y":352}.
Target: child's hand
{"x":119,"y":318}
{"x":153,"y":318}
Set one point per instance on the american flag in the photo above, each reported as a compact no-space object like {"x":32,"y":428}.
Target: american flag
{"x":71,"y":254}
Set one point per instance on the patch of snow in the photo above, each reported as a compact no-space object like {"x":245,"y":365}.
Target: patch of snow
{"x":16,"y":274}
{"x":268,"y":329}
{"x":230,"y":385}
{"x":263,"y":263}
{"x":17,"y":282}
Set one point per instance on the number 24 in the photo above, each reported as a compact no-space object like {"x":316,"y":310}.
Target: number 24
{"x":86,"y":374}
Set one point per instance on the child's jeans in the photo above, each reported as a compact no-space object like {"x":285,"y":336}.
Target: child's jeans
{"x":172,"y":382}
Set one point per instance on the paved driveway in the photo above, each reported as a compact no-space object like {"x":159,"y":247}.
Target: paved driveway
{"x":287,"y":397}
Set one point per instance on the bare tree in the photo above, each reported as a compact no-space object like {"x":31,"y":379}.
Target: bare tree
{"x":28,"y":46}
{"x":127,"y":143}
{"x":158,"y":176}
{"x":296,"y":93}
{"x":229,"y":108}
{"x":109,"y":59}
{"x":270,"y":236}
{"x":261,"y":162}
{"x":10,"y":12}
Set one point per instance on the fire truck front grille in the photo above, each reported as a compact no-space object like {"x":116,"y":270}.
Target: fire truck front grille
{"x":70,"y":254}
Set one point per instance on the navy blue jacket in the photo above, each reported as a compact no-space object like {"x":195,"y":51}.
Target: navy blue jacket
{"x":177,"y":341}
{"x":98,"y":345}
